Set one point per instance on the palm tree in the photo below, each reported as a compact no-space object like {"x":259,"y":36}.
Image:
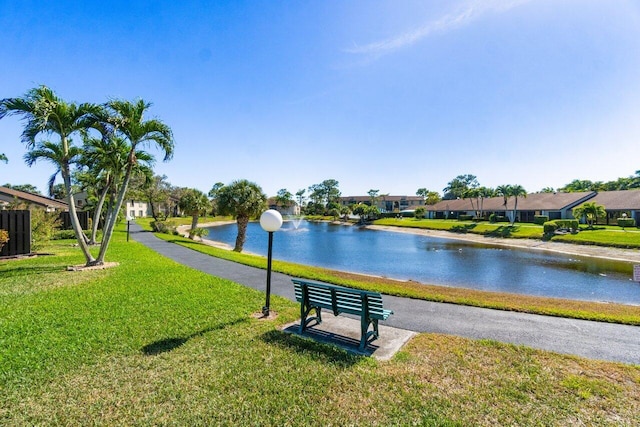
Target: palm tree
{"x":106,"y":161}
{"x":195,"y":203}
{"x":517,"y":191}
{"x":591,"y":211}
{"x":44,"y":113}
{"x":244,"y":200}
{"x":127,"y":121}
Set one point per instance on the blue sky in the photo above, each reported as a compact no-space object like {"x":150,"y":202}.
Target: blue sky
{"x":386,"y":95}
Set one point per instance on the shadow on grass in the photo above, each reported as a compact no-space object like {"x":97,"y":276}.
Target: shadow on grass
{"x":463,"y":228}
{"x":34,"y":269}
{"x":317,"y":351}
{"x":502,"y":231}
{"x":170,"y":344}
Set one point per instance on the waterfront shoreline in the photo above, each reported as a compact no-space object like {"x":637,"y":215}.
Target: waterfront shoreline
{"x":591,"y":251}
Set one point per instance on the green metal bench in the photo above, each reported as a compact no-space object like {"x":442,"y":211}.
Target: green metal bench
{"x":338,"y":299}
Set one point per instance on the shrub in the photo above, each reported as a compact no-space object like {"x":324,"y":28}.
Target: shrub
{"x":550,"y":227}
{"x":43,"y":227}
{"x":540,"y":219}
{"x":64,"y":234}
{"x":167,"y":227}
{"x":4,"y":238}
{"x":419,"y":213}
{"x":465,"y":217}
{"x":626,"y":222}
{"x":571,"y":224}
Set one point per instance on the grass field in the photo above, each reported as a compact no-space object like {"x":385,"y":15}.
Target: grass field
{"x":151,"y":342}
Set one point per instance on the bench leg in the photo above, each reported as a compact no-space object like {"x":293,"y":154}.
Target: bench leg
{"x":305,"y":319}
{"x":367,"y":336}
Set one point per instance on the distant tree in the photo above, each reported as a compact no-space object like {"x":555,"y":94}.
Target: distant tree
{"x":345,"y":211}
{"x":27,"y":188}
{"x":456,"y":188}
{"x":300,"y":197}
{"x":58,"y":192}
{"x":548,"y":190}
{"x":156,"y":192}
{"x":284,"y":198}
{"x":420,"y":212}
{"x":517,"y":191}
{"x":503,"y":191}
{"x":244,"y":200}
{"x":366,"y":212}
{"x":590,"y":211}
{"x":373,"y":197}
{"x":429,"y":197}
{"x":578,"y":185}
{"x":195,"y":203}
{"x":214,"y":190}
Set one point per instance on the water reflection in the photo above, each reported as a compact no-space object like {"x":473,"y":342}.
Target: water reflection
{"x":443,"y":261}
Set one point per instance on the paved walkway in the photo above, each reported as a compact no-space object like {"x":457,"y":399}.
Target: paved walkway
{"x":595,"y":340}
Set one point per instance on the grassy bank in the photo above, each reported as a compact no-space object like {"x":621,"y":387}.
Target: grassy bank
{"x":600,"y":235}
{"x":151,"y":342}
{"x":606,"y":312}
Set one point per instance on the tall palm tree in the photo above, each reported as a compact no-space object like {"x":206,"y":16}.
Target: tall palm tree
{"x":516,"y":191}
{"x":244,"y":200}
{"x":44,"y":113}
{"x":127,"y":121}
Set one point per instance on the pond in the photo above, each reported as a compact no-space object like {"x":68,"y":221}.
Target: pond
{"x":445,"y":262}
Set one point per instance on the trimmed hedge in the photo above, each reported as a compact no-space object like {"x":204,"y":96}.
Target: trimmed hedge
{"x":626,"y":222}
{"x":540,"y":219}
{"x":465,"y":217}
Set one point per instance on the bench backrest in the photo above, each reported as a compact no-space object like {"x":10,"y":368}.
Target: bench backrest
{"x":340,"y":299}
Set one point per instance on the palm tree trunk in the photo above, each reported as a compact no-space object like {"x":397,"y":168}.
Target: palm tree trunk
{"x":242,"y":232}
{"x":515,"y":208}
{"x":108,"y":230}
{"x":97,"y":213}
{"x":194,"y":224}
{"x":73,"y":215}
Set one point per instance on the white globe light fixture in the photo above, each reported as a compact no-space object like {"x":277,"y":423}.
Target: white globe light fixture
{"x":270,"y":221}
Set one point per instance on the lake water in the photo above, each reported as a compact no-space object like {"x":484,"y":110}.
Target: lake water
{"x":444,"y":262}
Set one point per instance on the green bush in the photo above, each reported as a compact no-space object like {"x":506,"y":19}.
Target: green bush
{"x":4,"y":238}
{"x":626,"y":222}
{"x":167,"y":227}
{"x":540,"y":219}
{"x":465,"y":217}
{"x":43,"y":227}
{"x":550,"y":227}
{"x":64,"y":235}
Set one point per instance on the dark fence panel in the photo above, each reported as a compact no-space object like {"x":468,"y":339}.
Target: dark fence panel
{"x":18,"y":225}
{"x":65,"y":218}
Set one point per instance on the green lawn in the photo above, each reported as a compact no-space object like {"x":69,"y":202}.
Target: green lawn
{"x":151,"y":342}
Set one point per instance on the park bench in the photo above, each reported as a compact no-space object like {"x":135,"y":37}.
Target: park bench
{"x":338,"y":299}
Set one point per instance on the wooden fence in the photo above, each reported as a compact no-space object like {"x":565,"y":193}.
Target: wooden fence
{"x":18,"y":225}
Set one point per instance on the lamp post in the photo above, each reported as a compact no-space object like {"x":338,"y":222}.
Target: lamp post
{"x":270,"y":221}
{"x":128,"y":222}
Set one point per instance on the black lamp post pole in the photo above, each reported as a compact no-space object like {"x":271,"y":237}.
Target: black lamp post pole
{"x":265,"y":309}
{"x":128,"y":222}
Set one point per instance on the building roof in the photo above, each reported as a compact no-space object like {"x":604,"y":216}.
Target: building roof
{"x":8,"y":195}
{"x":618,"y":200}
{"x":533,"y":202}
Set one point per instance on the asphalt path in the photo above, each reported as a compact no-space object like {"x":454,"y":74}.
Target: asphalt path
{"x":594,"y":340}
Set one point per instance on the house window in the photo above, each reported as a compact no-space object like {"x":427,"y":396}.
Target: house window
{"x":132,"y":213}
{"x":140,"y":213}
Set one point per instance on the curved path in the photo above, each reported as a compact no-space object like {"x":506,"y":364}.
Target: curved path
{"x":594,"y":340}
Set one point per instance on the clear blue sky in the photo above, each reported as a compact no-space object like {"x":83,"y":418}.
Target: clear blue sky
{"x":387,"y":95}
